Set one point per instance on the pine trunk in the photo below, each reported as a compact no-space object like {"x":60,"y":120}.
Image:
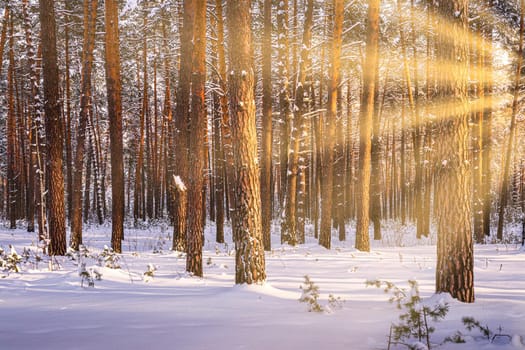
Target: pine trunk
{"x":54,"y":134}
{"x":113,"y":86}
{"x":249,"y":256}
{"x":455,"y":262}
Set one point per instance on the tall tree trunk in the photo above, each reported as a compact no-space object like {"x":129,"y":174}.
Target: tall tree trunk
{"x":266,"y":157}
{"x":284,"y":103}
{"x":139,"y":210}
{"x":455,"y":262}
{"x":12,"y":171}
{"x":249,"y":252}
{"x":197,"y":137}
{"x":477,"y":138}
{"x":362,"y":239}
{"x":31,"y":112}
{"x":302,"y":102}
{"x":114,"y":89}
{"x":183,"y":99}
{"x":327,"y":180}
{"x":225,"y":123}
{"x":218,"y":149}
{"x":90,"y":14}
{"x":376,"y":188}
{"x":57,"y":217}
{"x":487,"y":125}
{"x":504,"y":191}
{"x":67,"y":135}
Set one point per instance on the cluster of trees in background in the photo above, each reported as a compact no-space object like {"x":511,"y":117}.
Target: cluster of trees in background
{"x":253,"y":112}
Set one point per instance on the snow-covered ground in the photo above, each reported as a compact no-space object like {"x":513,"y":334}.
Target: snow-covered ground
{"x":48,"y":309}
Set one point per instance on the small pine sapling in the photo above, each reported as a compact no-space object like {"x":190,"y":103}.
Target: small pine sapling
{"x":10,"y":262}
{"x":414,"y":321}
{"x":88,"y":275}
{"x":334,"y":303}
{"x":150,"y":272}
{"x":109,"y":258}
{"x":310,"y":295}
{"x":471,"y":323}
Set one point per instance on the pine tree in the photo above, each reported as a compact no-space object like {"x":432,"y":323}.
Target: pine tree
{"x":455,"y":261}
{"x":54,"y":132}
{"x":114,"y":91}
{"x":362,"y":239}
{"x":249,"y":255}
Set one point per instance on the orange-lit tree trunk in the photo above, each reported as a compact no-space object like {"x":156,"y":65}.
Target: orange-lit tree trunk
{"x":249,"y":252}
{"x":183,"y":102}
{"x":327,"y":179}
{"x":197,"y":138}
{"x":218,"y":149}
{"x":114,"y":89}
{"x":266,"y":147}
{"x":504,"y":190}
{"x":225,"y":123}
{"x":90,"y":12}
{"x":302,"y":101}
{"x":362,"y":239}
{"x":54,"y":134}
{"x":487,"y":124}
{"x":285,"y":113}
{"x":455,"y":260}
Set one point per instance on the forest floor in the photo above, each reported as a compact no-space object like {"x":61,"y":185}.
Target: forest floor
{"x":47,"y":305}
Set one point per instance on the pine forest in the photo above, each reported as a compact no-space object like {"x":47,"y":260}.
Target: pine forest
{"x":246,"y":154}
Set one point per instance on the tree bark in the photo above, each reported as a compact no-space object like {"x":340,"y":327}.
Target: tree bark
{"x":197,"y":137}
{"x":183,"y":97}
{"x":249,"y":256}
{"x":455,"y":261}
{"x":114,"y":89}
{"x":90,"y":14}
{"x":362,"y":239}
{"x":54,"y":134}
{"x":266,"y":157}
{"x":504,"y":191}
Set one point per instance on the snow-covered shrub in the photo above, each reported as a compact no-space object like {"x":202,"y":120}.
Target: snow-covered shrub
{"x":150,"y":272}
{"x":471,"y":324}
{"x":334,"y":303}
{"x":456,"y":338}
{"x":413,"y":327}
{"x":10,"y":262}
{"x":310,"y":295}
{"x":31,"y":257}
{"x":109,"y":258}
{"x":89,"y":275}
